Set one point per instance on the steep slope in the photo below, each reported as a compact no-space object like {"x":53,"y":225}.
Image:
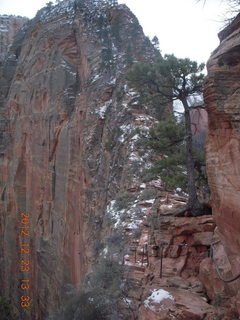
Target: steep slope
{"x":68,"y":123}
{"x":223,"y":166}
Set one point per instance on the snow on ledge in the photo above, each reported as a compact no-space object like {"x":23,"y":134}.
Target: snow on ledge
{"x":157,"y":296}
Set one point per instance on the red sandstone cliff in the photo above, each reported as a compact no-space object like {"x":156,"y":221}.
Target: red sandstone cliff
{"x":223,"y":166}
{"x":199,"y":119}
{"x":68,"y":145}
{"x":64,"y":130}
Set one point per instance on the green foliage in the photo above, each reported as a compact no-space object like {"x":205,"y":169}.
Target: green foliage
{"x":123,"y":200}
{"x":139,"y":77}
{"x":100,"y":21}
{"x":161,"y":82}
{"x":200,"y":167}
{"x":129,"y":56}
{"x":166,"y":80}
{"x":134,"y":29}
{"x":107,"y":58}
{"x":97,"y":300}
{"x":107,"y":54}
{"x":172,"y":171}
{"x":49,"y":5}
{"x":107,"y":278}
{"x":116,"y":27}
{"x":166,"y":139}
{"x":166,"y":136}
{"x":86,"y":305}
{"x":182,"y":76}
{"x":148,"y":194}
{"x":109,"y":145}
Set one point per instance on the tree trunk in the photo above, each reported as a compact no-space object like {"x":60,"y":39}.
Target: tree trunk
{"x":193,"y":204}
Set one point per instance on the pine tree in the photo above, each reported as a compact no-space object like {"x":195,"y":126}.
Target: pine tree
{"x":49,"y":4}
{"x":166,"y":139}
{"x":155,"y":42}
{"x":167,"y":80}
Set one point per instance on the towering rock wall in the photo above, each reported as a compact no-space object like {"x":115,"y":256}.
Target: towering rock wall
{"x":222,"y":97}
{"x":64,"y":149}
{"x":9,"y":27}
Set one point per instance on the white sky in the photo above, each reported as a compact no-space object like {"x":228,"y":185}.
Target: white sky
{"x":184,"y":27}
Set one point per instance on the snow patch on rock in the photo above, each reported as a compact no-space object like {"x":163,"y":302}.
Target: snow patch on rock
{"x":157,"y":296}
{"x":102,"y":110}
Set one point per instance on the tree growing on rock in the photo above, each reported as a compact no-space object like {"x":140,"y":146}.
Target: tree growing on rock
{"x":167,"y":80}
{"x":166,"y":139}
{"x":155,"y":42}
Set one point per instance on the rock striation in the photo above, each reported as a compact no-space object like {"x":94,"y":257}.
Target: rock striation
{"x":66,"y":125}
{"x":70,"y":157}
{"x":9,"y":27}
{"x":223,"y":167}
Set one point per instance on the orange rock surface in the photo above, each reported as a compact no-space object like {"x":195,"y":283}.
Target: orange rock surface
{"x":223,"y":153}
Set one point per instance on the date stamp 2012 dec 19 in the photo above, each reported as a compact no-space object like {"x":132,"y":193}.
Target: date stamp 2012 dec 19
{"x":24,"y":230}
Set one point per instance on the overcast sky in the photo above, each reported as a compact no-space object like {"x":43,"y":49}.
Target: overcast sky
{"x":184,"y":27}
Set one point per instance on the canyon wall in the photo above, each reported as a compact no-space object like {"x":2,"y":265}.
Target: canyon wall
{"x":64,"y":142}
{"x":222,"y":98}
{"x":70,"y":151}
{"x":9,"y":27}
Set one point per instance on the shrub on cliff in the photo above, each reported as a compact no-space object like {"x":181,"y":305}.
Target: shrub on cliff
{"x":97,"y":300}
{"x":85,"y":305}
{"x":123,"y":200}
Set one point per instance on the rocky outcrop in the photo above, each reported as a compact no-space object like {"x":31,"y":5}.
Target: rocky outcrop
{"x":170,"y":289}
{"x":9,"y":27}
{"x":69,"y":125}
{"x":223,"y":166}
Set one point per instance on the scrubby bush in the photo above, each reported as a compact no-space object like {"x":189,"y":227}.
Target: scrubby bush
{"x":109,"y":145}
{"x":123,"y":200}
{"x":148,"y":194}
{"x":97,"y":300}
{"x":85,"y":305}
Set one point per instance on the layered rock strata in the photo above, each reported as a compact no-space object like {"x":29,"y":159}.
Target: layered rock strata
{"x":64,"y":148}
{"x":223,"y":166}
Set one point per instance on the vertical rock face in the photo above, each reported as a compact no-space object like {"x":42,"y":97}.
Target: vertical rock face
{"x":222,"y":99}
{"x":67,"y":123}
{"x":9,"y":27}
{"x":199,"y":119}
